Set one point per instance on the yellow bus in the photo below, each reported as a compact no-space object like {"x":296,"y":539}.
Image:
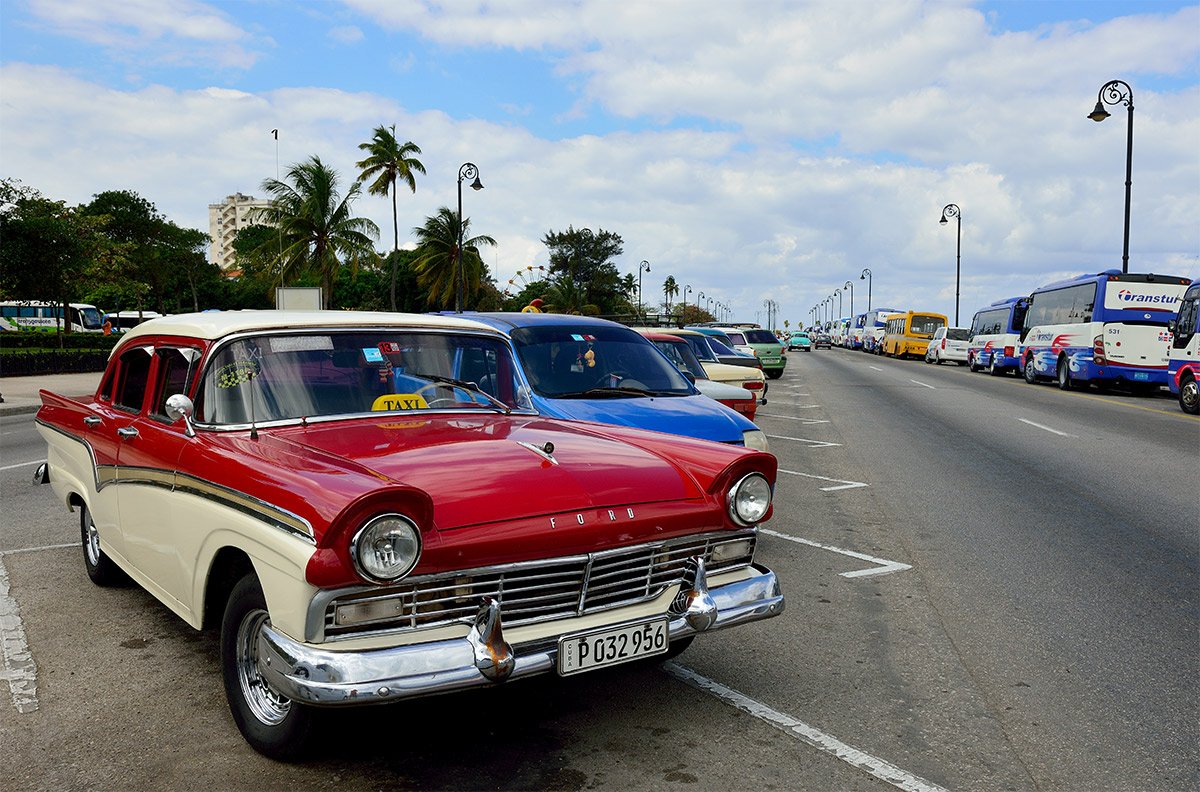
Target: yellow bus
{"x":909,"y":333}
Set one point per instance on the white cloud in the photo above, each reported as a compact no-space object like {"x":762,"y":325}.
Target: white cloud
{"x":346,"y":34}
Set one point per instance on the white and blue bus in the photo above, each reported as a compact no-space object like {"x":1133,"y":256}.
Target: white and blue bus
{"x":996,"y":335}
{"x":874,"y":327}
{"x":1183,"y":363}
{"x":854,"y":339}
{"x":1105,"y":328}
{"x":48,"y":316}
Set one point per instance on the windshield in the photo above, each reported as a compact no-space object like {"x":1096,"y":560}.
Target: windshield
{"x":562,"y":360}
{"x":306,"y":375}
{"x":721,"y":349}
{"x":89,"y":317}
{"x":679,"y":353}
{"x":699,"y":346}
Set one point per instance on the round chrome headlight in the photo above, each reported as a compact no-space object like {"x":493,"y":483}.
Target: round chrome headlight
{"x":386,"y":548}
{"x":749,"y":499}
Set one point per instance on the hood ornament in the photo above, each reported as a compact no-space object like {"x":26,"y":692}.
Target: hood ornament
{"x":545,"y":451}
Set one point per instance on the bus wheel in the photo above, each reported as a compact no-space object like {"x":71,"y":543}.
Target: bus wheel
{"x":993,"y":369}
{"x":1063,"y":373}
{"x":971,"y":363}
{"x":1189,"y":398}
{"x":1030,"y":374}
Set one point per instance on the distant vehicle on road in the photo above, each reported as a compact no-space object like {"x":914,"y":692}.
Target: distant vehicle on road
{"x":799,"y":340}
{"x":874,"y":327}
{"x":679,"y":352}
{"x":996,"y":336}
{"x":1183,"y":366}
{"x":120,"y":321}
{"x":1109,"y":327}
{"x":948,"y":344}
{"x":822,"y":340}
{"x":48,"y":316}
{"x":765,"y":346}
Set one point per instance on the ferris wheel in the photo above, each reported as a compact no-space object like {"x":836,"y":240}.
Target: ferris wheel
{"x":531,"y":273}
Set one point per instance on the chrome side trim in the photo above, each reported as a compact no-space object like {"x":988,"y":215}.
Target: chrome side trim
{"x":99,"y":476}
{"x":320,"y":677}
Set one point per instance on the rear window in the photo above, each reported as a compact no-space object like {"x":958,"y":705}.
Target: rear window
{"x":761,"y":337}
{"x":958,"y":334}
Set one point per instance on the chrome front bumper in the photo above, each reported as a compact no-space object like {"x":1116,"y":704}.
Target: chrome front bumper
{"x":320,"y":677}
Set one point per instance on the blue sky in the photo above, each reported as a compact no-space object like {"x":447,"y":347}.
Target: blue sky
{"x":754,"y":150}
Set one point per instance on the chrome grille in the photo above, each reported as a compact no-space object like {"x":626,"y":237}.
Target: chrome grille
{"x":536,"y":590}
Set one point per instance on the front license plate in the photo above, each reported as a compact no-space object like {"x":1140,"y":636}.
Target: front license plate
{"x":1141,"y":375}
{"x":611,"y":646}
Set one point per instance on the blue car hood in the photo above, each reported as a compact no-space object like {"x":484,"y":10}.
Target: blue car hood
{"x":693,"y":416}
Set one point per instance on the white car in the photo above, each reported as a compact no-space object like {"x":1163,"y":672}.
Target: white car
{"x":948,"y":344}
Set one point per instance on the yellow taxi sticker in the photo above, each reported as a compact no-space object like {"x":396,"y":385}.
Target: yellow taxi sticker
{"x":400,"y":401}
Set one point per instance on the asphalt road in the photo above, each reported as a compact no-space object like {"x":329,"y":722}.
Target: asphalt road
{"x":990,"y":586}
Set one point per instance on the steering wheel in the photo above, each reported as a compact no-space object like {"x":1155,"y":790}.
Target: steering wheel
{"x":623,"y":381}
{"x":440,"y":401}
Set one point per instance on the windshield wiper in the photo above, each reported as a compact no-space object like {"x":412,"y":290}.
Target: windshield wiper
{"x":601,"y":391}
{"x":470,"y":387}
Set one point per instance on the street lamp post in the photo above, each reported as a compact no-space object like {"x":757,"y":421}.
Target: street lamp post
{"x":952,"y":210}
{"x":838,"y":292}
{"x":1116,"y":92}
{"x":643,"y":267}
{"x":686,"y":290}
{"x":467,"y":171}
{"x":708,"y":305}
{"x":866,"y":273}
{"x":850,"y":286}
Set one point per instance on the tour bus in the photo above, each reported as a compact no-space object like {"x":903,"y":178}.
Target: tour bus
{"x":120,"y":321}
{"x":909,"y":333}
{"x":1183,"y":364}
{"x":1104,"y":328}
{"x":855,"y":340}
{"x":996,"y":335}
{"x":48,"y":316}
{"x":874,"y":325}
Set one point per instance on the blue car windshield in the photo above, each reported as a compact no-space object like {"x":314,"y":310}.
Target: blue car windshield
{"x":566,"y":361}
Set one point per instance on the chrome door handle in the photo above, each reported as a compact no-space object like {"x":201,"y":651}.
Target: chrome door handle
{"x":92,"y":420}
{"x":127,"y":432}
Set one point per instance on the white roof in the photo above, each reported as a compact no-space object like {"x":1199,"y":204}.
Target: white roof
{"x":212,"y":325}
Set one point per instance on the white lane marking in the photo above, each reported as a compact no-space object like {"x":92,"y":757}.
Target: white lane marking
{"x":885,"y":567}
{"x":883,"y":770}
{"x":922,"y":384}
{"x":843,"y":482}
{"x":793,"y":418}
{"x":21,"y":464}
{"x":1046,"y":428}
{"x":875,"y":367}
{"x":19,"y":669}
{"x":812,"y":443}
{"x":37,"y":549}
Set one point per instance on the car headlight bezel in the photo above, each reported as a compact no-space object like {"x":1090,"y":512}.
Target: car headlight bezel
{"x":749,"y":500}
{"x":405,"y":539}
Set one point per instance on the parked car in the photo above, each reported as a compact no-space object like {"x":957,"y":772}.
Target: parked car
{"x":765,"y":346}
{"x":725,"y":347}
{"x":370,"y":509}
{"x":799,"y":340}
{"x":822,"y":340}
{"x":709,"y":352}
{"x":680,"y":353}
{"x":948,"y":344}
{"x":587,"y":369}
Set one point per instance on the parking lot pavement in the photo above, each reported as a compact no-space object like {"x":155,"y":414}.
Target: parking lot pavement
{"x":19,"y":395}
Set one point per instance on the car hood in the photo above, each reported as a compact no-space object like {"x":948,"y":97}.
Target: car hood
{"x":692,"y":416}
{"x":480,"y":469}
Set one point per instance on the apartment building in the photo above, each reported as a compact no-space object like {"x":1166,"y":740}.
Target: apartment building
{"x":224,"y":221}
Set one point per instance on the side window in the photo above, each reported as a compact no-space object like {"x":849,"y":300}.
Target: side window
{"x":175,"y":367}
{"x":133,"y":376}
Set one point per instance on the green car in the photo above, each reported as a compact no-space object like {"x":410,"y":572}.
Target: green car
{"x":765,"y":346}
{"x":799,"y":340}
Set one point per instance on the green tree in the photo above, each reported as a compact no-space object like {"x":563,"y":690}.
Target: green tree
{"x":389,"y":162}
{"x":584,"y":258}
{"x":436,"y":265}
{"x":670,"y":289}
{"x":318,"y":231}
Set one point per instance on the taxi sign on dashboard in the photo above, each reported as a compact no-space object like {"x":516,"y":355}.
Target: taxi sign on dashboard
{"x":399,"y":401}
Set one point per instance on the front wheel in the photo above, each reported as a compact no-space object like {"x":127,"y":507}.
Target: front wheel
{"x":1030,"y":374}
{"x":1189,"y":398}
{"x":100,"y":568}
{"x":273,"y":724}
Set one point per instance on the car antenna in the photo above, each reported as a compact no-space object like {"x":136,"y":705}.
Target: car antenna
{"x":253,"y":426}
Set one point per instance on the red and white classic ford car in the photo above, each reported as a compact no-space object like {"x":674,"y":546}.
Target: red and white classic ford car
{"x":369,"y":509}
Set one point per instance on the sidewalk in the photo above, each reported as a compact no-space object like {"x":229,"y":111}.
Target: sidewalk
{"x":20,"y":394}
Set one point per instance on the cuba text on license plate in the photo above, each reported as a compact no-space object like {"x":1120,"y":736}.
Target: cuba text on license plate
{"x":610,"y":646}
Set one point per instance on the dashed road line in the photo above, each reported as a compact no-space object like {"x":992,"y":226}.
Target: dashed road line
{"x":811,"y":443}
{"x":883,"y":770}
{"x":21,"y":465}
{"x":844,"y":484}
{"x":885,"y":567}
{"x":922,"y":384}
{"x":793,"y":418}
{"x":875,"y":367}
{"x":19,"y":669}
{"x":1046,"y":428}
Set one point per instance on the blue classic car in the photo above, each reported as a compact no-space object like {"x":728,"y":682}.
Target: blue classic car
{"x":586,"y":369}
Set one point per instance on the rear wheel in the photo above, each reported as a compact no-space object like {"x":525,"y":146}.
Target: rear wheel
{"x":1189,"y":398}
{"x":1063,"y":373}
{"x":273,"y":724}
{"x":775,"y":373}
{"x":971,"y":364}
{"x":100,"y":567}
{"x":1030,"y":374}
{"x":992,"y":368}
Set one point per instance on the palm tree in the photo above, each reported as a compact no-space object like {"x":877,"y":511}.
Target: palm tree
{"x":388,"y":162}
{"x":316,"y":230}
{"x":670,"y":289}
{"x":435,"y":263}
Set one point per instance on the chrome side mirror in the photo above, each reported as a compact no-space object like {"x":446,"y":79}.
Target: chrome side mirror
{"x":180,"y":406}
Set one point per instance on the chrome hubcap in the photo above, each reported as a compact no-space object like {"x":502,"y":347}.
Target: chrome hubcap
{"x":267,"y":705}
{"x":92,"y":543}
{"x":1189,"y":393}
